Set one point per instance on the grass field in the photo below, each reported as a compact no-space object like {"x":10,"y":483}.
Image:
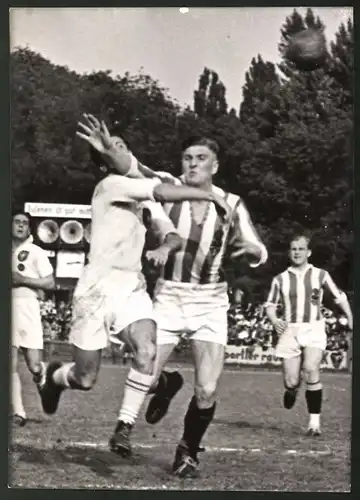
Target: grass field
{"x":253,"y":443}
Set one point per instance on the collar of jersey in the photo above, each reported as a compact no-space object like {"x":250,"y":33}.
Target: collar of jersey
{"x":296,"y":271}
{"x":28,"y":241}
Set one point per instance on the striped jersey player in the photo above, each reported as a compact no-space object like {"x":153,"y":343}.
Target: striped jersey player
{"x":191,"y":298}
{"x":301,"y":294}
{"x":206,"y":241}
{"x":302,"y":337}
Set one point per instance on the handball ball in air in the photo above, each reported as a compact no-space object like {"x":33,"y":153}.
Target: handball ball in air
{"x":307,"y":49}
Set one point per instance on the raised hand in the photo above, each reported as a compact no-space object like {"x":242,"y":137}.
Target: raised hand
{"x":95,"y":133}
{"x":246,"y":248}
{"x":280,"y":326}
{"x":159,"y":256}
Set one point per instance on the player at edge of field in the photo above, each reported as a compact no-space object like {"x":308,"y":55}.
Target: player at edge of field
{"x":191,"y":295}
{"x":111,"y":292}
{"x":302,"y":336}
{"x":31,"y":272}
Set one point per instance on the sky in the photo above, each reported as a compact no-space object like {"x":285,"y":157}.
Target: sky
{"x":171,"y":47}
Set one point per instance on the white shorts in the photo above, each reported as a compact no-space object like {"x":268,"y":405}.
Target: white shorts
{"x":300,"y":335}
{"x":108,"y":307}
{"x":200,"y":311}
{"x":26,"y":327}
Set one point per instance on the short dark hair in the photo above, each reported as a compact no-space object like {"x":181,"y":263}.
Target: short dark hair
{"x":201,"y":141}
{"x":26,"y":214}
{"x":298,"y":236}
{"x":21,"y":212}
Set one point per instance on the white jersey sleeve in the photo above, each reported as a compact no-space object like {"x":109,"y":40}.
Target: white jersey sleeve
{"x":244,"y":231}
{"x":42,"y":263}
{"x":118,"y":188}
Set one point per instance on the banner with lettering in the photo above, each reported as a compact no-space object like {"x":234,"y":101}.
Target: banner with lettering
{"x":242,"y":355}
{"x":62,"y":210}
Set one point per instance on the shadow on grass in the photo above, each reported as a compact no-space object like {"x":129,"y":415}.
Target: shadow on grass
{"x":101,"y":462}
{"x":245,"y":424}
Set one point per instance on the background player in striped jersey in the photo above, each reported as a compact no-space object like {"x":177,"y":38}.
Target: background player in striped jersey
{"x":302,"y":337}
{"x":191,"y":294}
{"x":31,"y":272}
{"x":111,"y":292}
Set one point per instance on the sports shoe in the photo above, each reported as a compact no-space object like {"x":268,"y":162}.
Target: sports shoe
{"x":50,"y":392}
{"x":120,"y":441}
{"x":289,"y":398}
{"x":313,"y":432}
{"x":19,"y":420}
{"x":186,"y":463}
{"x":169,"y":385}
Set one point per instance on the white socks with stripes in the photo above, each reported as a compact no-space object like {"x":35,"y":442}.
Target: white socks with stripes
{"x":137,"y":386}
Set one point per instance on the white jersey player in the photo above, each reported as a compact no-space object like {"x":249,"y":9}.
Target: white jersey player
{"x":31,"y":272}
{"x":111,"y":293}
{"x":191,"y":295}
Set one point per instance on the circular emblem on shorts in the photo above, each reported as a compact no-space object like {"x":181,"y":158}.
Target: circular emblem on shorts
{"x":21,"y":267}
{"x":23,"y":255}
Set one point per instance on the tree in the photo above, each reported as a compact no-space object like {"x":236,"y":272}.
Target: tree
{"x":210,"y":98}
{"x":261,"y":97}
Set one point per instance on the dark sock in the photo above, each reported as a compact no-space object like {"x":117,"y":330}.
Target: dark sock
{"x":196,"y":422}
{"x":292,"y":389}
{"x":37,"y":377}
{"x":314,"y":400}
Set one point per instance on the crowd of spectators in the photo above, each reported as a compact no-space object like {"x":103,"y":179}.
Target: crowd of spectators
{"x":248,"y":326}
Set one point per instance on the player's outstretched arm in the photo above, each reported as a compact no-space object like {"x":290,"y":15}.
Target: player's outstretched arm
{"x":173,"y":193}
{"x":97,"y":135}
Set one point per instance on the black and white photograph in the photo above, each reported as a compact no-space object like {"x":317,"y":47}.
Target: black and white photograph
{"x":182,"y":243}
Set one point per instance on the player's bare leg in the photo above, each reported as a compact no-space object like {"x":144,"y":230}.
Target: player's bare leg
{"x":18,"y":410}
{"x":209,"y":362}
{"x":313,"y":394}
{"x":80,"y":375}
{"x":292,"y":380}
{"x":35,"y":364}
{"x":140,"y":337}
{"x":165,"y":385}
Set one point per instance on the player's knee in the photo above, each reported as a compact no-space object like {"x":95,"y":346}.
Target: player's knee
{"x":311,"y":372}
{"x":144,"y":357}
{"x":291,"y":381}
{"x":85,"y":381}
{"x":205,"y":394}
{"x":34,"y":367}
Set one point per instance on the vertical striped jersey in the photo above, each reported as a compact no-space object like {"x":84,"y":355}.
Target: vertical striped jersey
{"x":301,"y":293}
{"x":205,"y":244}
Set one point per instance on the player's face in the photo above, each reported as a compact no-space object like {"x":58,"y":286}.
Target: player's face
{"x":299,"y":252}
{"x":119,"y":146}
{"x":20,"y":227}
{"x":199,"y":164}
{"x":118,"y":143}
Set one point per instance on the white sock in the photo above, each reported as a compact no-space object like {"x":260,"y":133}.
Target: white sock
{"x":314,"y":421}
{"x":60,"y":376}
{"x":16,"y":399}
{"x":137,"y":386}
